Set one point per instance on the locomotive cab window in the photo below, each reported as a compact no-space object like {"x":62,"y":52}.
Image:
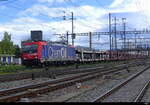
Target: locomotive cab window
{"x":30,"y":48}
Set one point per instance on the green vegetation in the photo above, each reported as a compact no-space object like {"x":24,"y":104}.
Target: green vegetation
{"x":17,"y":51}
{"x":7,"y":46}
{"x":11,"y":68}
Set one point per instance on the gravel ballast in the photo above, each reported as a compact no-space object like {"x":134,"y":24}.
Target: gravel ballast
{"x":146,"y":97}
{"x":16,"y":83}
{"x":91,"y":90}
{"x":129,"y":92}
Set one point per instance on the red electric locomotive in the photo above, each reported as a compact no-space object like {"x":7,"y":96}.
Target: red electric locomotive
{"x":31,"y":52}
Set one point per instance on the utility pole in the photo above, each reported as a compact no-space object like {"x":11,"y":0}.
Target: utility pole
{"x":73,"y":35}
{"x":124,"y":29}
{"x":113,"y":44}
{"x":72,"y":26}
{"x":115,"y":33}
{"x":135,"y":39}
{"x":67,"y":38}
{"x":110,"y":34}
{"x":90,"y":40}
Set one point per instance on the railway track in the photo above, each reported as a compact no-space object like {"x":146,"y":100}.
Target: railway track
{"x":104,"y":97}
{"x":142,"y":92}
{"x":15,"y":94}
{"x":20,"y":76}
{"x":44,"y":73}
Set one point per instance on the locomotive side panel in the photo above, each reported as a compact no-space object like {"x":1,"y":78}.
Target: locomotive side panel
{"x":58,"y":53}
{"x":71,"y":53}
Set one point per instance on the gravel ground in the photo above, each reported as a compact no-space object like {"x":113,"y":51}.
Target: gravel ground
{"x":129,"y":92}
{"x":90,"y":90}
{"x":12,"y":84}
{"x":146,"y":97}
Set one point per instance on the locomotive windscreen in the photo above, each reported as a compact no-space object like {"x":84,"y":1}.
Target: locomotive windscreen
{"x":29,"y":48}
{"x":36,"y":35}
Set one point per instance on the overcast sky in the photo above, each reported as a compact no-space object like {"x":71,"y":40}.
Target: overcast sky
{"x":18,"y":17}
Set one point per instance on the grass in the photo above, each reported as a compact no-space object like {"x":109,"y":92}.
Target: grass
{"x":10,"y":69}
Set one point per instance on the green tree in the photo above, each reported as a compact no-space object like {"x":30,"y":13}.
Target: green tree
{"x":17,"y":51}
{"x":6,"y":45}
{"x":0,"y":48}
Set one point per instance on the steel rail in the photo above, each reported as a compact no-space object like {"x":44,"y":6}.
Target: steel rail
{"x":6,"y":92}
{"x":111,"y":91}
{"x":142,"y":92}
{"x":20,"y":76}
{"x":29,"y":86}
{"x":12,"y":77}
{"x":37,"y":85}
{"x":48,"y":88}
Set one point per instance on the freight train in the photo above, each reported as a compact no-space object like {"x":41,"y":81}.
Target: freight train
{"x":39,"y":52}
{"x":45,"y":53}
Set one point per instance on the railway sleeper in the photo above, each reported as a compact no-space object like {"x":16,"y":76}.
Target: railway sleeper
{"x":49,"y":88}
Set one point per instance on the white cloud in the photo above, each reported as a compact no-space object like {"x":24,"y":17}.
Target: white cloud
{"x":20,"y":28}
{"x":116,"y":3}
{"x":119,"y":6}
{"x":130,"y":6}
{"x":143,"y":6}
{"x":51,"y":1}
{"x":88,"y":18}
{"x":91,"y":21}
{"x":55,"y":1}
{"x":91,"y":16}
{"x":140,"y":7}
{"x":40,"y":9}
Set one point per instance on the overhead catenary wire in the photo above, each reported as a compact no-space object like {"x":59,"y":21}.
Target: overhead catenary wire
{"x":83,"y":22}
{"x":78,"y":5}
{"x":42,"y":24}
